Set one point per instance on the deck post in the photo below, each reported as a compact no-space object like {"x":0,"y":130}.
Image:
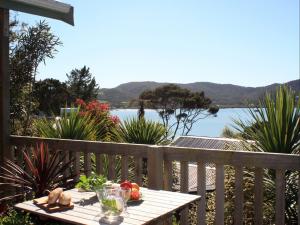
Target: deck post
{"x":155,"y":167}
{"x":4,"y":86}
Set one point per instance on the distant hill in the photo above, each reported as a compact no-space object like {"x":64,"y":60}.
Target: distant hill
{"x":225,"y":95}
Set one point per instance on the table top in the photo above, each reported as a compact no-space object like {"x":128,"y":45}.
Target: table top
{"x":156,"y":205}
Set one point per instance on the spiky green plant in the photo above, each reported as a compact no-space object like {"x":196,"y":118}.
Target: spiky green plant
{"x":141,"y":131}
{"x":71,"y":125}
{"x":275,"y":124}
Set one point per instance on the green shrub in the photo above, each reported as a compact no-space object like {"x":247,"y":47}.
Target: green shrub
{"x":13,"y":217}
{"x":71,"y":125}
{"x":141,"y":131}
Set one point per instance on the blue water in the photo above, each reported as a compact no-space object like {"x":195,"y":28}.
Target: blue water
{"x":210,"y":126}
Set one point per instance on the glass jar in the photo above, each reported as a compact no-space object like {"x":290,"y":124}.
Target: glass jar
{"x":111,"y":202}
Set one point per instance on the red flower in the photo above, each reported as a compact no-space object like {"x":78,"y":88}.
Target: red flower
{"x":97,"y":106}
{"x":115,"y":119}
{"x":80,"y":102}
{"x":104,"y":106}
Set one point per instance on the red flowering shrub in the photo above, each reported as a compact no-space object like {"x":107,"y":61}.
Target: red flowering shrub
{"x":105,"y":122}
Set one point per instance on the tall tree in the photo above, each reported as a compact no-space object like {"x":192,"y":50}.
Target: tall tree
{"x":29,"y":47}
{"x":81,"y":84}
{"x":178,"y":108}
{"x":51,"y":95}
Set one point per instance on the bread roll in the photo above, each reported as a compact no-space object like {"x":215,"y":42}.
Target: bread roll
{"x":54,"y":195}
{"x":65,"y":198}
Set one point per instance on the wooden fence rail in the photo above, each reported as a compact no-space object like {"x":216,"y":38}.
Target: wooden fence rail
{"x":160,"y":170}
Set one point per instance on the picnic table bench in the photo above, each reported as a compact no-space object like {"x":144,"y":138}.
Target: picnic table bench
{"x":156,"y":206}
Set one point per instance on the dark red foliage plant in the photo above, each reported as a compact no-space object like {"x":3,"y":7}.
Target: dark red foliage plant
{"x":44,"y":171}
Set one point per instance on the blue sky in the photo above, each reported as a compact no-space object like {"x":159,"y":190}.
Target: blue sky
{"x":250,"y":43}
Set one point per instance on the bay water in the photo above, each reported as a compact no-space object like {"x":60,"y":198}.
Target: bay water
{"x":211,"y":126}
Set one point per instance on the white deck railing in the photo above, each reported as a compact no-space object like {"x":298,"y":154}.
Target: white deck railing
{"x":159,"y":172}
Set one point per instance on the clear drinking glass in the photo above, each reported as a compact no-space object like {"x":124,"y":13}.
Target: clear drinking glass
{"x":111,"y":202}
{"x":126,"y":193}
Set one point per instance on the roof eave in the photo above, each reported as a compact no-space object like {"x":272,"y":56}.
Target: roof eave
{"x":47,"y":8}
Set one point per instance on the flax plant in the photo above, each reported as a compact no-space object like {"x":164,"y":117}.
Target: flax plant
{"x":45,"y":173}
{"x":141,"y":131}
{"x":71,"y":125}
{"x":275,"y":124}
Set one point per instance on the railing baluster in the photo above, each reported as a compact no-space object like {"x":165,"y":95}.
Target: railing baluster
{"x":66,"y":160}
{"x":219,"y":194}
{"x":184,"y":188}
{"x":201,"y":190}
{"x":20,"y":158}
{"x":124,"y":167}
{"x":184,"y":177}
{"x":99,"y":164}
{"x":77,"y":165}
{"x":239,"y":196}
{"x":111,"y":167}
{"x":168,"y":183}
{"x":258,"y":196}
{"x":280,"y":197}
{"x":138,"y":165}
{"x":168,"y":176}
{"x":28,"y":150}
{"x":58,"y":158}
{"x":87,"y":164}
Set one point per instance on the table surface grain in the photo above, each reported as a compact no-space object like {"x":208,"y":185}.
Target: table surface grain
{"x":156,"y":206}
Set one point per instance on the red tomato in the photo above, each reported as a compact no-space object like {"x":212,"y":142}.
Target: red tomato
{"x":136,"y":186}
{"x":126,"y":185}
{"x":135,"y":195}
{"x":134,"y":189}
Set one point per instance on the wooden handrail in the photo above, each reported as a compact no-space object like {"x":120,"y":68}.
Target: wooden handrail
{"x":109,"y":148}
{"x":170,"y":153}
{"x":234,"y":158}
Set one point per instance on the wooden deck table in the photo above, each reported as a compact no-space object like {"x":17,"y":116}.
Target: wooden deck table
{"x":155,"y":207}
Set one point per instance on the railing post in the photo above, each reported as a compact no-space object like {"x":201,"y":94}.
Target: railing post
{"x":4,"y":86}
{"x":155,"y":167}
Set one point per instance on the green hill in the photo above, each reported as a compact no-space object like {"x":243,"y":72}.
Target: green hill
{"x":225,"y":95}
